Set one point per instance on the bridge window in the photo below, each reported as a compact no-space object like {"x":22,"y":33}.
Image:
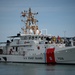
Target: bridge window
{"x":32,"y":37}
{"x":35,"y":37}
{"x":29,"y":37}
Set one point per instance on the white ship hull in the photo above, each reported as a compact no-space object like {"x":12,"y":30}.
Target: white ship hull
{"x":63,"y":56}
{"x":66,"y":55}
{"x":23,"y":59}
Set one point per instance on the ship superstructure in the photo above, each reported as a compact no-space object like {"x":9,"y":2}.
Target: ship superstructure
{"x":33,"y":47}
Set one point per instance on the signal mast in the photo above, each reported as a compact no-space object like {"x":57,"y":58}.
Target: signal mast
{"x":30,"y":23}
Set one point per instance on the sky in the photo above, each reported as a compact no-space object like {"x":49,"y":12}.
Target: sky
{"x":57,"y":16}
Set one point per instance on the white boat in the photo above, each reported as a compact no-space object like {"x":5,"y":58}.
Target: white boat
{"x":32,"y":46}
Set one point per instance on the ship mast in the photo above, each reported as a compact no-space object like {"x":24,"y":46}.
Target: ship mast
{"x":30,"y":22}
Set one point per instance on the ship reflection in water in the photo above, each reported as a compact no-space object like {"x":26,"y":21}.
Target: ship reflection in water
{"x":35,"y":69}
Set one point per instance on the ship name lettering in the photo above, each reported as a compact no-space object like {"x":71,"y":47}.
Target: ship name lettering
{"x":60,"y":58}
{"x":25,"y":57}
{"x":38,"y":58}
{"x":30,"y":57}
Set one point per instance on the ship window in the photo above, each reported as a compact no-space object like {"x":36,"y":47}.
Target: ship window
{"x":45,"y":37}
{"x":25,"y":38}
{"x":13,"y":47}
{"x":32,"y":37}
{"x":36,"y":37}
{"x":1,"y":51}
{"x":12,"y":40}
{"x":41,"y":38}
{"x":29,"y":37}
{"x":16,"y":49}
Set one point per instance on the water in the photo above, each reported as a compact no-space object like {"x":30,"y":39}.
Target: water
{"x":35,"y":69}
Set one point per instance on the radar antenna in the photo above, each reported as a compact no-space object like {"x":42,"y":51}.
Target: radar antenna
{"x":30,"y":22}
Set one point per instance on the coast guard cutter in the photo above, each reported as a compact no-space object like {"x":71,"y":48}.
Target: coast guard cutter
{"x":32,"y":46}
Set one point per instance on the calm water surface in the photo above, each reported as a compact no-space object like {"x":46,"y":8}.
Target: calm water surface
{"x":35,"y":69}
